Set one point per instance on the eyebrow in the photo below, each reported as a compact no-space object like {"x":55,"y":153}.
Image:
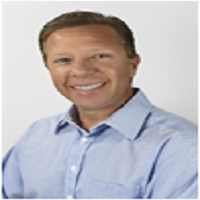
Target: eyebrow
{"x":91,"y":50}
{"x":61,"y":54}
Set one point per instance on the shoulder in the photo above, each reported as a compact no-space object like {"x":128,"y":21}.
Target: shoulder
{"x":50,"y":121}
{"x":44,"y":125}
{"x":172,"y":121}
{"x":40,"y":130}
{"x":176,"y":133}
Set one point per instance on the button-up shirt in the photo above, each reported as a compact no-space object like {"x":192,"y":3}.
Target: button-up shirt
{"x":140,"y":151}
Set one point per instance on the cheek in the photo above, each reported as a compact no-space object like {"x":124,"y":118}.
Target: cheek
{"x":58,"y":77}
{"x":119,"y":72}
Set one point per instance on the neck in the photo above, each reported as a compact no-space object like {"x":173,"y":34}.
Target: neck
{"x":89,"y":118}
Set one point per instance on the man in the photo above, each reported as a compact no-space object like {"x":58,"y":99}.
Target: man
{"x":112,"y":143}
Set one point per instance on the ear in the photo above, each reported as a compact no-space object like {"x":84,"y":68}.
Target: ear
{"x":134,"y":63}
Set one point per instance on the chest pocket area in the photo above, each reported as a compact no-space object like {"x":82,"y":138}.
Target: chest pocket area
{"x":105,"y":190}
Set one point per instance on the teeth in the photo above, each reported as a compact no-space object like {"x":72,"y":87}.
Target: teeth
{"x":89,"y":87}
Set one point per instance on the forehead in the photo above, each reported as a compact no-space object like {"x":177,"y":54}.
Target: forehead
{"x":84,"y":34}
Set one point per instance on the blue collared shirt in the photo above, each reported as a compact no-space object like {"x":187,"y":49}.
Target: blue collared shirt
{"x":141,"y":151}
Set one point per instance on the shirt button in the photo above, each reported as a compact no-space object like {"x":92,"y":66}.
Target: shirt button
{"x":70,"y":197}
{"x":83,"y":139}
{"x":73,"y":168}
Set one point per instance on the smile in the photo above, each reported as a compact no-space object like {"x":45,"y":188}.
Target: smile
{"x":89,"y":87}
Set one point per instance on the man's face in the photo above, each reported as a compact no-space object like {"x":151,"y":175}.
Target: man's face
{"x":90,"y":67}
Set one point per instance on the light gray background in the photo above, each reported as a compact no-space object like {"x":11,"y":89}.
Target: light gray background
{"x":166,"y":39}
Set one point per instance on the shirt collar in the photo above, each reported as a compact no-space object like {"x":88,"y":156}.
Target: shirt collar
{"x":65,"y":118}
{"x":128,"y":120}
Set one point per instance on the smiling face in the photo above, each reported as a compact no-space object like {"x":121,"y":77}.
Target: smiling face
{"x":89,"y":66}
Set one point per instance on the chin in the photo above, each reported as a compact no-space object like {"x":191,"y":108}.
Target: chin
{"x":87,"y":108}
{"x":90,"y":107}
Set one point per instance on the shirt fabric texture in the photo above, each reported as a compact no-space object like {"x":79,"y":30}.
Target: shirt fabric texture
{"x":140,"y":151}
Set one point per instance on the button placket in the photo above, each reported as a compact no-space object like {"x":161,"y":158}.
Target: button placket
{"x":76,"y":157}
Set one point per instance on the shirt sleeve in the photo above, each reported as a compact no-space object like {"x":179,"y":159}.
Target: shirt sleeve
{"x":176,"y":177}
{"x":11,"y":183}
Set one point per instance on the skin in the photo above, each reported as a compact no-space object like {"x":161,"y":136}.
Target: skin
{"x":85,"y":55}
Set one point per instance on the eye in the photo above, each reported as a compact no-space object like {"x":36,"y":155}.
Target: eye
{"x":102,"y":55}
{"x":63,"y":60}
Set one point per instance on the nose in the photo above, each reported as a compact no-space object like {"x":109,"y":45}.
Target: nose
{"x":82,"y":68}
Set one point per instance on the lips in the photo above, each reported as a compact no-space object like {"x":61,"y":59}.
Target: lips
{"x":88,"y":87}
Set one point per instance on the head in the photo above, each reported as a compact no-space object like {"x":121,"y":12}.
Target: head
{"x":78,"y":18}
{"x":91,"y":58}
